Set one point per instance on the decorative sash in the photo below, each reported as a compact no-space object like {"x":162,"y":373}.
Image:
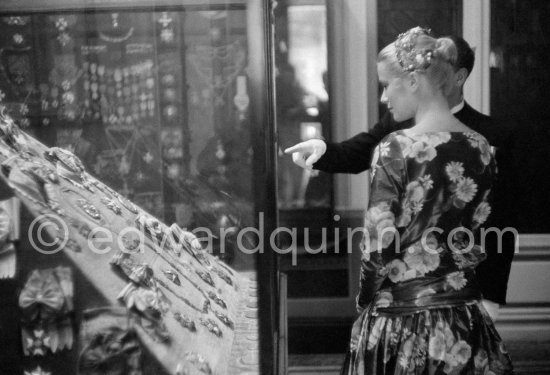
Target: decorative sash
{"x":453,"y":289}
{"x":46,"y":302}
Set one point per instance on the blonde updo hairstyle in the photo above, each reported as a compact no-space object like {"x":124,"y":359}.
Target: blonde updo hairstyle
{"x":416,"y":51}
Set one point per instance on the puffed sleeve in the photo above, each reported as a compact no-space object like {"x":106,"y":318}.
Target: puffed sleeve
{"x":386,"y":190}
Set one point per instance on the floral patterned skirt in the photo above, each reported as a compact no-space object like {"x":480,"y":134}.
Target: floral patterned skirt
{"x":454,"y":339}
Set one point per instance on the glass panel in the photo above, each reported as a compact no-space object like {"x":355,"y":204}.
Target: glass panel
{"x":520,"y":79}
{"x":155,"y":104}
{"x":303,"y":110}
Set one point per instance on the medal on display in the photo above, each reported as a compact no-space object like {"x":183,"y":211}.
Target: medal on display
{"x":131,"y":242}
{"x":127,"y":204}
{"x":214,"y":297}
{"x":185,"y":321}
{"x":151,"y":225}
{"x":140,"y":273}
{"x":223,"y":318}
{"x":89,"y":208}
{"x":172,"y":276}
{"x":205,"y":277}
{"x":211,"y":326}
{"x":67,"y":158}
{"x":111,"y":205}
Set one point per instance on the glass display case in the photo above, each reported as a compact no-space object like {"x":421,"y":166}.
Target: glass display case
{"x":155,"y":102}
{"x":167,"y":104}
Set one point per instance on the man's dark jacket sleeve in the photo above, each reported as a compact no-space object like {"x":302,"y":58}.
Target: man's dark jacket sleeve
{"x":355,"y":154}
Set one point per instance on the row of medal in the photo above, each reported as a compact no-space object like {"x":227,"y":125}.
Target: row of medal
{"x":113,"y":95}
{"x":118,"y":95}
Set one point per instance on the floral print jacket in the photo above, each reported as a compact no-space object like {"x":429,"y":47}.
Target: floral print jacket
{"x":429,"y":198}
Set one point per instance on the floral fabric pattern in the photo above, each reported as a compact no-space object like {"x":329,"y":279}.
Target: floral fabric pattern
{"x":418,"y":299}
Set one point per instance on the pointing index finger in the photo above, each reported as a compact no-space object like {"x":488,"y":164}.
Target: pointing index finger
{"x":295,"y":148}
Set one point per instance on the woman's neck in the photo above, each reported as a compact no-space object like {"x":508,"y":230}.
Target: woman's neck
{"x":434,"y":114}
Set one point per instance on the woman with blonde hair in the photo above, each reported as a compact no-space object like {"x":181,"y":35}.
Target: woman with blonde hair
{"x":420,"y":306}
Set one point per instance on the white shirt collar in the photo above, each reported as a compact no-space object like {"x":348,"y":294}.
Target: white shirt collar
{"x":458,"y":107}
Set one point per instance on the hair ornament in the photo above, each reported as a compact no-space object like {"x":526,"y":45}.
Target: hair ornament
{"x":408,"y":56}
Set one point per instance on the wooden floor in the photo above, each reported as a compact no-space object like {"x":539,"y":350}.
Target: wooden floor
{"x":529,"y":358}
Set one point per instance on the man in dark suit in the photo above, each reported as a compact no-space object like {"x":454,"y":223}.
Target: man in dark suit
{"x":355,"y":154}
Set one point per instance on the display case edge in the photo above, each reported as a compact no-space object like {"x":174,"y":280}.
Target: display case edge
{"x":25,"y":6}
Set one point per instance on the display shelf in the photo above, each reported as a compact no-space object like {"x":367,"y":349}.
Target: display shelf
{"x":92,"y":224}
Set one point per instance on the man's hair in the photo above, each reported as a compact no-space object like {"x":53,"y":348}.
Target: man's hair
{"x":465,"y":54}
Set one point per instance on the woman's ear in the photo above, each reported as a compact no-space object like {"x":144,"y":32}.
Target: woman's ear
{"x":412,"y":81}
